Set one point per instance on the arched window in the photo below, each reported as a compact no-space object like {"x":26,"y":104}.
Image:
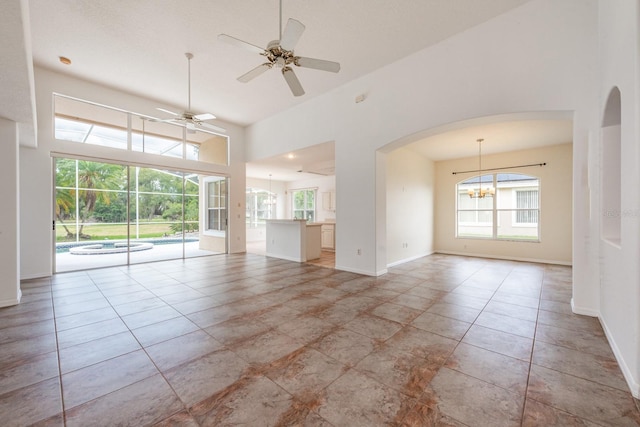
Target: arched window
{"x":502,"y":206}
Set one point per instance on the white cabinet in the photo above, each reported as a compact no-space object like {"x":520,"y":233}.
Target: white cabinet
{"x":328,"y":237}
{"x":329,"y":201}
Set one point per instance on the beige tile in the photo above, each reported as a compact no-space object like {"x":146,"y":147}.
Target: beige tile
{"x":354,"y":399}
{"x":305,"y":372}
{"x":267,"y":347}
{"x":373,"y":327}
{"x":441,"y":325}
{"x":345,"y":346}
{"x":582,"y":398}
{"x":475,"y":402}
{"x":458,"y":312}
{"x":537,"y":414}
{"x":254,"y":401}
{"x":163,"y":331}
{"x":602,"y":370}
{"x":500,"y":342}
{"x":141,"y":403}
{"x":512,"y":325}
{"x":201,"y":378}
{"x":105,"y":377}
{"x":32,"y":404}
{"x":184,"y":348}
{"x":396,"y":313}
{"x":495,"y":368}
{"x":512,"y":310}
{"x":93,"y":331}
{"x":28,"y":372}
{"x":277,"y":337}
{"x":588,"y":342}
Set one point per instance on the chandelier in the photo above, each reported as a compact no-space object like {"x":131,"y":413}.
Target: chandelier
{"x":481,"y":193}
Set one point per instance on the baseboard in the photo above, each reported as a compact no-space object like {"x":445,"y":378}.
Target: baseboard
{"x":632,"y":382}
{"x":413,"y":258}
{"x":12,"y":301}
{"x":35,"y":276}
{"x":363,"y":272}
{"x":285,"y":257}
{"x":584,"y":311}
{"x":504,"y":257}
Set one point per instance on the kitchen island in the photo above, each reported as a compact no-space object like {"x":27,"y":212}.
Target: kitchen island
{"x":293,"y":239}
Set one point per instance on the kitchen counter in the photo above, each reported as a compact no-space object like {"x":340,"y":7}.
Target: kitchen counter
{"x":293,"y":239}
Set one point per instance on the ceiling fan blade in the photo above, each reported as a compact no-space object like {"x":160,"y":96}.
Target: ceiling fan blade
{"x":291,"y":34}
{"x":240,"y":43}
{"x":167,"y":111}
{"x":255,"y":72}
{"x":204,"y":116}
{"x":292,"y":81}
{"x":212,"y":127}
{"x":317,"y":64}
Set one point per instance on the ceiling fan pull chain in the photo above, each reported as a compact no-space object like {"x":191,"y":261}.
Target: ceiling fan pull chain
{"x":280,"y":27}
{"x":189,"y":56}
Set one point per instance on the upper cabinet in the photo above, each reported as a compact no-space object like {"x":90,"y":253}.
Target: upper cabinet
{"x":329,"y":200}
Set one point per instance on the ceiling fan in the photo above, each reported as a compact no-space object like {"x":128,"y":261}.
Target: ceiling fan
{"x":187,"y":118}
{"x":279,"y":53}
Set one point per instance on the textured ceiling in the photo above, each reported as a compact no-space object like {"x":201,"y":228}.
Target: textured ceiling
{"x":138,"y":46}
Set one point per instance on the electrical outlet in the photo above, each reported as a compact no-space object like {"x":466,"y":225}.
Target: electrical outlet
{"x":359,"y":251}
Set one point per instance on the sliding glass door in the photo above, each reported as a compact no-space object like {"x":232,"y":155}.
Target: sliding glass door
{"x":108,"y":214}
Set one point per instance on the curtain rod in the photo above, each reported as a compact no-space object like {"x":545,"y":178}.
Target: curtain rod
{"x":506,"y":167}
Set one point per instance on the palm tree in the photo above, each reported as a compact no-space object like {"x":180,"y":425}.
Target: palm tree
{"x":90,"y":180}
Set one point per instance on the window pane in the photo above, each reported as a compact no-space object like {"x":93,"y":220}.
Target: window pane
{"x":154,"y":137}
{"x":89,"y":123}
{"x":475,"y":229}
{"x":298,"y":200}
{"x":510,"y":229}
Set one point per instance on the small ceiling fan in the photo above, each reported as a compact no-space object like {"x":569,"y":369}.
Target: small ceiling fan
{"x":279,"y":53}
{"x":187,"y":118}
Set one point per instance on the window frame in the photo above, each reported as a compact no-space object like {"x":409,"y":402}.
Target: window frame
{"x":221,"y":206}
{"x":534,"y":183}
{"x":305,"y":209}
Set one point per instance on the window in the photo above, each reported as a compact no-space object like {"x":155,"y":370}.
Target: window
{"x":527,"y":205}
{"x":511,"y":214}
{"x":216,"y":205}
{"x":88,"y":123}
{"x":304,"y":204}
{"x":261,"y":205}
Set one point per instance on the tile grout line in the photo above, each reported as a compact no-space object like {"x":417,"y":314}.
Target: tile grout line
{"x":55,"y":329}
{"x":533,"y":344}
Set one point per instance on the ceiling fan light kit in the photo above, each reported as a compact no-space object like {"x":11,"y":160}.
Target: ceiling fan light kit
{"x":280,"y":54}
{"x":188,"y":119}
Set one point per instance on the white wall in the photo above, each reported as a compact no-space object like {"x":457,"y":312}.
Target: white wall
{"x":555,"y":206}
{"x":9,"y":215}
{"x":410,"y":206}
{"x":506,"y":65}
{"x":619,"y":269}
{"x":36,"y":182}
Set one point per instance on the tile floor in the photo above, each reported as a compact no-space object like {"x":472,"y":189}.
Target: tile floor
{"x":249,"y":340}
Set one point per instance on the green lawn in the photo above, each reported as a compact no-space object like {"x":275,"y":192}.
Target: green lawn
{"x":115,"y":231}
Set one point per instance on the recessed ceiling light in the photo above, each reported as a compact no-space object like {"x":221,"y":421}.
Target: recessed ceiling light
{"x":65,"y":60}
{"x":291,"y":156}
